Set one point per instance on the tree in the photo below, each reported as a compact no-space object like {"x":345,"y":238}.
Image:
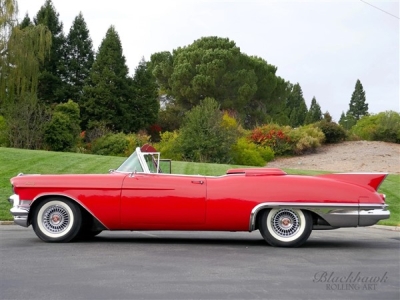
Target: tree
{"x":25,"y":121}
{"x":22,"y":49}
{"x":203,"y":137}
{"x":296,"y":106}
{"x":25,"y":22}
{"x":144,"y":106}
{"x":314,"y":114}
{"x":52,"y":86}
{"x":214,"y":67}
{"x":108,"y":91}
{"x":358,"y":107}
{"x":347,"y":121}
{"x":79,"y":58}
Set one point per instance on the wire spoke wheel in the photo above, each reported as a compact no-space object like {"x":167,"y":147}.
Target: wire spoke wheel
{"x":285,"y":227}
{"x":285,"y":223}
{"x":56,"y":220}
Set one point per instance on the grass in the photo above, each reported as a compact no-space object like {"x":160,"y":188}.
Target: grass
{"x":14,"y":161}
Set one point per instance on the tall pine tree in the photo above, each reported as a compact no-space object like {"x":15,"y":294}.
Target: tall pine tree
{"x":314,"y":114}
{"x":52,"y":86}
{"x":144,"y":106}
{"x":296,"y":107}
{"x":79,"y":58}
{"x":108,"y":91}
{"x":358,"y":106}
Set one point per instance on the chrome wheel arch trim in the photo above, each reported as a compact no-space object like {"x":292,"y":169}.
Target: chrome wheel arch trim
{"x":323,"y":210}
{"x":64,"y":196}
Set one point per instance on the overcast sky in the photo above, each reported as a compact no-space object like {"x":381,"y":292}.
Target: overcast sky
{"x":325,"y":46}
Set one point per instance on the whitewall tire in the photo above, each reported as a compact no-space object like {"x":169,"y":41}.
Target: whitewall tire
{"x":285,"y":227}
{"x":56,"y":220}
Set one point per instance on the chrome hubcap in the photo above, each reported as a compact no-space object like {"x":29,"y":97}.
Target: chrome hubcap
{"x":285,"y":223}
{"x":55,"y":219}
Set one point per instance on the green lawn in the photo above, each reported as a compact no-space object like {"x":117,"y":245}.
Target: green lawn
{"x":14,"y":161}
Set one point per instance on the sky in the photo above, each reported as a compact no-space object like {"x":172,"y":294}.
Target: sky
{"x":325,"y":46}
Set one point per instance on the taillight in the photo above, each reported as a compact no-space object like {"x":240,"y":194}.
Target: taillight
{"x":383,"y":196}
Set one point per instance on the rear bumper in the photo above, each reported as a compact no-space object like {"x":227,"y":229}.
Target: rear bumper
{"x":20,"y":210}
{"x":368,"y":217}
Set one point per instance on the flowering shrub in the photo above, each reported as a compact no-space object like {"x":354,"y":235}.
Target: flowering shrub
{"x":273,"y":136}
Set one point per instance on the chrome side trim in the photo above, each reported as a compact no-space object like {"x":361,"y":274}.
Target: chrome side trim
{"x":335,"y":214}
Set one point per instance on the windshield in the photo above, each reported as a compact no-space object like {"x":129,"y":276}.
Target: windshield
{"x":132,"y":164}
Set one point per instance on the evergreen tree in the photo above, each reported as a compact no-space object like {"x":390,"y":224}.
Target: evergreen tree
{"x":108,"y":91}
{"x":358,"y":106}
{"x":144,"y":107}
{"x":296,"y":107}
{"x":214,"y":67}
{"x":79,"y":58}
{"x":25,"y":22}
{"x":315,"y":113}
{"x":347,"y":120}
{"x":52,"y":87}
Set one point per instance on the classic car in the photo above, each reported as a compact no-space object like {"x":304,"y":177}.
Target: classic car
{"x":142,"y":194}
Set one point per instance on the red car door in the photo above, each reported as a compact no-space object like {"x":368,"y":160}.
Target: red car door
{"x":161,"y":201}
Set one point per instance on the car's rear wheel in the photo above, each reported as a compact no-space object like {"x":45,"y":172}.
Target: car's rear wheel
{"x":285,"y":227}
{"x":56,"y":220}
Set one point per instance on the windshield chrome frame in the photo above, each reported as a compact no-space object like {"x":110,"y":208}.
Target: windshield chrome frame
{"x":142,"y":160}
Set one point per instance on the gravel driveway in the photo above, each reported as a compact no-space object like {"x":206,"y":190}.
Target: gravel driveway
{"x":356,"y":156}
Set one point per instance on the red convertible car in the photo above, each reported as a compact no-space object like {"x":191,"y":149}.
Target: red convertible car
{"x":142,"y":194}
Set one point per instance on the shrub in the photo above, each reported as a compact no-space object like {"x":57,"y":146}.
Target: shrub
{"x":203,"y":137}
{"x":95,"y":130}
{"x":247,"y":153}
{"x":62,"y":132}
{"x":115,"y":144}
{"x":136,"y":140}
{"x":59,"y":134}
{"x":274,"y":136}
{"x":384,"y":126}
{"x":388,"y":129}
{"x":333,"y":132}
{"x":168,"y":145}
{"x":306,"y":139}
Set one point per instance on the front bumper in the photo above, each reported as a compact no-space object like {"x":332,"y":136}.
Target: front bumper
{"x":20,"y":210}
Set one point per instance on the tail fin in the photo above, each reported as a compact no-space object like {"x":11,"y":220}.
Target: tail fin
{"x":369,"y":180}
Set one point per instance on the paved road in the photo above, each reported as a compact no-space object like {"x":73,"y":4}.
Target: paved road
{"x":200,"y":265}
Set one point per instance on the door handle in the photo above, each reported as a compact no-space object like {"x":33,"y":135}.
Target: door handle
{"x":198,"y":181}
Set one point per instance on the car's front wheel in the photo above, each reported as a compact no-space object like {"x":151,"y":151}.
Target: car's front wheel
{"x":56,"y":220}
{"x":285,"y":227}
